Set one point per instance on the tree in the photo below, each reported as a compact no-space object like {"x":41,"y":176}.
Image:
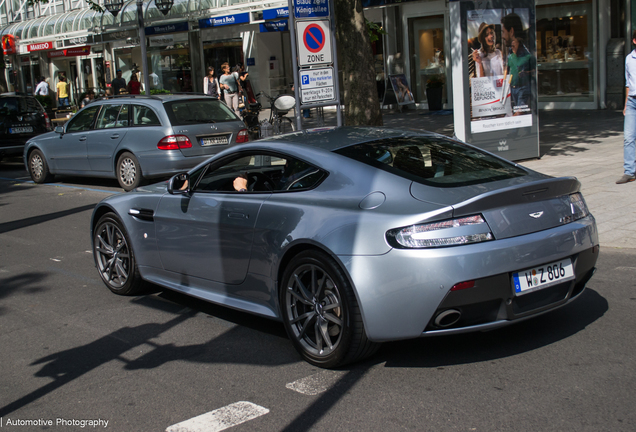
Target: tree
{"x":355,"y":61}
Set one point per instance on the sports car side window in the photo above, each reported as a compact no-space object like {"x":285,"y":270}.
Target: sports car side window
{"x":83,"y":120}
{"x":263,"y":173}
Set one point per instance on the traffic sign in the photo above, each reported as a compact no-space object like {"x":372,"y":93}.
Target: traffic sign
{"x":314,"y":44}
{"x":316,"y":78}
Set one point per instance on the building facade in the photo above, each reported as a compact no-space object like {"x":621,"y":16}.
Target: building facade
{"x":581,"y":46}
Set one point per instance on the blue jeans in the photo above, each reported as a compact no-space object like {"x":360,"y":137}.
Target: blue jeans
{"x":629,"y":134}
{"x":63,"y":101}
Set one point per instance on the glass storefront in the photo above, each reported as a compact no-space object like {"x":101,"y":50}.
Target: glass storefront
{"x":426,"y":45}
{"x":215,"y":53}
{"x":564,"y":52}
{"x":169,"y":64}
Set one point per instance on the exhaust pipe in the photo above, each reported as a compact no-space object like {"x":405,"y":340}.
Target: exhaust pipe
{"x":447,"y":318}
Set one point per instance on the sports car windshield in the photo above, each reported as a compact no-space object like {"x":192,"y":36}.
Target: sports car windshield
{"x":433,"y":161}
{"x":196,"y":111}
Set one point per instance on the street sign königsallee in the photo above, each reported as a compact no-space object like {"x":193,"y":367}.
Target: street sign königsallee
{"x":311,"y":8}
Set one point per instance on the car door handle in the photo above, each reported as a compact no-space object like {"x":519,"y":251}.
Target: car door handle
{"x":82,"y":138}
{"x":234,"y":215}
{"x":114,"y":136}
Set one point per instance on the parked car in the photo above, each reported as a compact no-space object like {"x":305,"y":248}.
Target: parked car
{"x":132,"y":138}
{"x":21,"y":118}
{"x":355,"y":236}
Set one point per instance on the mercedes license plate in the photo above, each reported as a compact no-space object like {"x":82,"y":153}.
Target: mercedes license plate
{"x":24,"y":129}
{"x":536,"y":278}
{"x":215,"y":140}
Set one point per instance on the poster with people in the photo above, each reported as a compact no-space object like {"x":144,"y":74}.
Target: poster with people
{"x":501,"y":68}
{"x":403,"y":92}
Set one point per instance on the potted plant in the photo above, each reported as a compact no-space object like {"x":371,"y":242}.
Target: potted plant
{"x":434,"y":89}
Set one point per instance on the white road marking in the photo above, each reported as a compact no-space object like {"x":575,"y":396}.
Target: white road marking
{"x":55,"y":259}
{"x":315,"y":384}
{"x":220,"y":419}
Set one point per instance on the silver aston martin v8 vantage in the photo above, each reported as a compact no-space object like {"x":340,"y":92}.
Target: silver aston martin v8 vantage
{"x":355,"y":236}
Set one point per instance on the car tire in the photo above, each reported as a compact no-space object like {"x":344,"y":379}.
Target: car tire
{"x":320,"y":312}
{"x":115,"y":257}
{"x":128,"y":171}
{"x":38,"y":168}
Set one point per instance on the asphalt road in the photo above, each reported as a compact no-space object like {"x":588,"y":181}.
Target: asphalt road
{"x":70,"y":350}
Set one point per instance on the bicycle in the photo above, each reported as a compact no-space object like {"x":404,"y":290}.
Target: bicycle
{"x":279,"y":107}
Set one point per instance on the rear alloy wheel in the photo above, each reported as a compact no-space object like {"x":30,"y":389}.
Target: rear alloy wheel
{"x":128,"y":171}
{"x":38,"y":168}
{"x":321,"y":313}
{"x":115,"y":258}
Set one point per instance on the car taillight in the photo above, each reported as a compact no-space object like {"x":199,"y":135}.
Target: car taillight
{"x":48,"y":121}
{"x":452,"y":232}
{"x":174,"y":142}
{"x":242,"y":136}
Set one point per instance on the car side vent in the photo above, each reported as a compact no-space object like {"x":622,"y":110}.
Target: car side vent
{"x":143,"y":214}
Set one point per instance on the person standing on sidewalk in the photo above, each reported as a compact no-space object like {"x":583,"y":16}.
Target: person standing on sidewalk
{"x":229,"y":85}
{"x":211,"y":84}
{"x":62,"y":92}
{"x":629,"y":111}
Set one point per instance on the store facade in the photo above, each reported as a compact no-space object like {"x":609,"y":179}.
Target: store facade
{"x":571,"y":47}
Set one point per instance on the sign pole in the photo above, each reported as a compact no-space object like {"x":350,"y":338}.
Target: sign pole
{"x":292,"y":30}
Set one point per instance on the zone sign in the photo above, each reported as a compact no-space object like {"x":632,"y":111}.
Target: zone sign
{"x":314,"y":42}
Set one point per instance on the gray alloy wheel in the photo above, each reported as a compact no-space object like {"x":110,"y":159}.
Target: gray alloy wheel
{"x":114,"y":257}
{"x":128,"y":171}
{"x":320,"y":312}
{"x":38,"y":168}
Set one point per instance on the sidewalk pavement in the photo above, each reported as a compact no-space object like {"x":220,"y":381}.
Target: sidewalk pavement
{"x":585,"y":144}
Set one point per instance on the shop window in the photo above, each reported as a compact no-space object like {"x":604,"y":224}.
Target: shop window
{"x":169,"y":65}
{"x":564,"y":52}
{"x":426,"y":44}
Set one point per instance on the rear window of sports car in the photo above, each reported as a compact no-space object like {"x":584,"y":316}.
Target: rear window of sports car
{"x":433,"y":161}
{"x":196,"y":111}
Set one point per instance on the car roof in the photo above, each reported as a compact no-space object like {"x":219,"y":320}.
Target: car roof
{"x":158,"y":97}
{"x":334,"y":138}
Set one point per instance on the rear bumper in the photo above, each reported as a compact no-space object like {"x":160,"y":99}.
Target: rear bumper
{"x":401,"y":292}
{"x":167,"y":162}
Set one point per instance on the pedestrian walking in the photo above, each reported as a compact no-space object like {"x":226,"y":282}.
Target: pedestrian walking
{"x":118,"y":83}
{"x":229,"y":84}
{"x":629,"y":112}
{"x":43,"y":88}
{"x":62,"y":92}
{"x":211,"y":84}
{"x":134,"y":86}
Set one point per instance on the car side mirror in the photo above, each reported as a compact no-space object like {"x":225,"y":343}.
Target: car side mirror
{"x":59,"y":129}
{"x":179,"y":184}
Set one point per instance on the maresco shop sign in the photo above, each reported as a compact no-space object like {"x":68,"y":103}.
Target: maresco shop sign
{"x":41,"y":46}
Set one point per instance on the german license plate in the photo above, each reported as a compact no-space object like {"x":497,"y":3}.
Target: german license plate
{"x":536,"y":278}
{"x":216,"y":140}
{"x":17,"y":130}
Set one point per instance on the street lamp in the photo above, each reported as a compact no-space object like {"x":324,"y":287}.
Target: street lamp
{"x":114,"y":7}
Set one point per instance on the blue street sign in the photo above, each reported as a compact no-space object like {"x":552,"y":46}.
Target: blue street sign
{"x":270,"y":14}
{"x":167,"y":28}
{"x":305,"y":79}
{"x":311,"y":8}
{"x":241,"y":18}
{"x":274,"y":26}
{"x":314,"y":38}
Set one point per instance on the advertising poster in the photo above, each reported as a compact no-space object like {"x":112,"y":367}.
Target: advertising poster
{"x":403,"y":92}
{"x":500,"y":69}
{"x":498,"y":43}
